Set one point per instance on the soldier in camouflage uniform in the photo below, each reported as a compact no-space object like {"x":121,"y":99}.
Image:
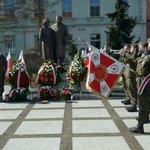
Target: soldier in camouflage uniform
{"x":131,"y":78}
{"x":143,"y":70}
{"x":3,"y":67}
{"x":123,"y":53}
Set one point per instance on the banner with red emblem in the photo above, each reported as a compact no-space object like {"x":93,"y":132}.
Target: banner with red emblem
{"x":103,"y":73}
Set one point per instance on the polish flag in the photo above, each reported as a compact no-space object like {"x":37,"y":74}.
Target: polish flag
{"x":21,"y":59}
{"x":9,"y":65}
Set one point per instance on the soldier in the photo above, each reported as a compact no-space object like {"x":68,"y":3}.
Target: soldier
{"x":131,"y":78}
{"x":3,"y":67}
{"x":46,"y":35}
{"x":123,"y":53}
{"x":143,"y":71}
{"x":61,"y":39}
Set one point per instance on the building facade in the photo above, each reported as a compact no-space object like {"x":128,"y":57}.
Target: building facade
{"x":20,"y":21}
{"x":148,"y":17}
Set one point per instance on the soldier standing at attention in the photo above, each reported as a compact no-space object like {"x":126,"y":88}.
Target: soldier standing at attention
{"x":143,"y":74}
{"x":131,"y":78}
{"x":46,"y":35}
{"x":123,"y":53}
{"x":61,"y":39}
{"x":3,"y":67}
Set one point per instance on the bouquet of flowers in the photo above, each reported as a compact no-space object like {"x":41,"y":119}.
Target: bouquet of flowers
{"x":18,"y":75}
{"x":76,"y":72}
{"x":45,"y":93}
{"x":65,"y":94}
{"x":18,"y":94}
{"x":48,"y":75}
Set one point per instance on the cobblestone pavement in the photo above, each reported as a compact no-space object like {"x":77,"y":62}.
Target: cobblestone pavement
{"x":86,"y":123}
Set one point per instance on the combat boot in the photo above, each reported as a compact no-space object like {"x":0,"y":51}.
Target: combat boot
{"x":131,"y":109}
{"x":137,"y":129}
{"x":127,"y":102}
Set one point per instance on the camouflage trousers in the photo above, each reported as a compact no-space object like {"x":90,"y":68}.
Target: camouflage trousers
{"x":125,"y":88}
{"x":132,"y":90}
{"x":144,"y":104}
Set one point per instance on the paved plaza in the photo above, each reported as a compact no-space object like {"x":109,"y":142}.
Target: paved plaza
{"x":86,"y":123}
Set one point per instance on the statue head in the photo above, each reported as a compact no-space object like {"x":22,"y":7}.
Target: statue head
{"x":46,"y":22}
{"x":58,"y":19}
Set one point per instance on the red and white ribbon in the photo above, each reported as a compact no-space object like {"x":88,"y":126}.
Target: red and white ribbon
{"x":53,"y":70}
{"x":143,"y":84}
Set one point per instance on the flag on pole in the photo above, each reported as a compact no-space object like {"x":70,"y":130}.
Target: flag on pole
{"x":21,"y":59}
{"x":9,"y":65}
{"x":103,"y":73}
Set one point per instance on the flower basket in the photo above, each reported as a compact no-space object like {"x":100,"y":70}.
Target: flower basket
{"x":18,"y":76}
{"x":18,"y":94}
{"x":49,"y":75}
{"x":76,"y":72}
{"x":65,"y":94}
{"x":45,"y":93}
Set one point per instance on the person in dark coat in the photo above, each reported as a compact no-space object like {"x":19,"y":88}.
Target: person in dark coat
{"x":61,"y":39}
{"x":3,"y":67}
{"x":46,"y":35}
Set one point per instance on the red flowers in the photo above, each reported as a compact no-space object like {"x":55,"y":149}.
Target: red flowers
{"x":18,"y":76}
{"x":65,"y":94}
{"x":45,"y":93}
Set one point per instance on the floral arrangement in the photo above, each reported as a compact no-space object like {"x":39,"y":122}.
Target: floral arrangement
{"x":46,"y":93}
{"x":18,"y":94}
{"x":65,"y":94}
{"x":18,"y":75}
{"x":49,"y":74}
{"x":76,"y":72}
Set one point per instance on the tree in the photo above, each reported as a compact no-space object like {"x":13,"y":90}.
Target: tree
{"x":120,"y":33}
{"x":19,"y":16}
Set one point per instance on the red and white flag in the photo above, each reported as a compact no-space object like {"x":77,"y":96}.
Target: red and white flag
{"x":9,"y":64}
{"x":103,"y":73}
{"x":21,"y":58}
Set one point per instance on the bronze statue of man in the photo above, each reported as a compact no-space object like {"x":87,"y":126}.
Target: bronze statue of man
{"x":46,"y":35}
{"x":61,"y":39}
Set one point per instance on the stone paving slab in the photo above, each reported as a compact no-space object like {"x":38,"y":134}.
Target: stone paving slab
{"x":83,"y":113}
{"x":39,"y":114}
{"x":33,"y":144}
{"x":94,"y":126}
{"x":100,"y":143}
{"x":10,"y":114}
{"x":4,"y":126}
{"x":39,"y":127}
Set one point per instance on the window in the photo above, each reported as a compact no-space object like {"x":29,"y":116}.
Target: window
{"x":9,"y":8}
{"x":95,"y":40}
{"x":39,"y":8}
{"x":9,"y":43}
{"x":67,"y":8}
{"x":94,"y":8}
